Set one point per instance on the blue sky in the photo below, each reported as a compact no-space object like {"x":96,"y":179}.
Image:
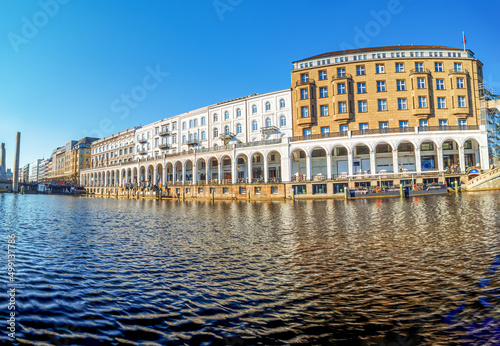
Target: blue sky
{"x":67,"y":65}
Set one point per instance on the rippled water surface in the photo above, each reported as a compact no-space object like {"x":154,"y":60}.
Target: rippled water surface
{"x":371,"y":272}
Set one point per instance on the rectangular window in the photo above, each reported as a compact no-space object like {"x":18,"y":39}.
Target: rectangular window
{"x":344,"y":128}
{"x":460,"y":83}
{"x":303,"y":94}
{"x":443,"y":123}
{"x":419,"y":67}
{"x":441,"y":102}
{"x":322,"y":75}
{"x":458,"y":67}
{"x":341,"y":88}
{"x":323,"y":92}
{"x":423,"y":123}
{"x":403,"y":124}
{"x":440,"y":84}
{"x":304,"y":78}
{"x":438,"y":67}
{"x":362,"y":107}
{"x":400,"y":67}
{"x":421,"y":83}
{"x":402,"y":104}
{"x":324,"y":111}
{"x":462,"y":122}
{"x":342,"y":107}
{"x":341,"y":72}
{"x":422,"y":102}
{"x":203,"y":120}
{"x":381,"y":86}
{"x":305,"y":112}
{"x":461,"y":101}
{"x":363,"y":127}
{"x":325,"y":129}
{"x":379,"y":68}
{"x":382,"y":105}
{"x":383,"y":125}
{"x":361,"y":88}
{"x":307,"y":132}
{"x":360,"y":70}
{"x":400,"y":85}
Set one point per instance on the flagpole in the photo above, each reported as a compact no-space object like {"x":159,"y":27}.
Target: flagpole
{"x":463,"y":37}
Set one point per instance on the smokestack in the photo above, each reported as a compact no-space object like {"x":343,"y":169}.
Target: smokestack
{"x":2,"y":157}
{"x":15,"y":176}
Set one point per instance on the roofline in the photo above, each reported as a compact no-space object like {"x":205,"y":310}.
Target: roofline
{"x":383,"y":48}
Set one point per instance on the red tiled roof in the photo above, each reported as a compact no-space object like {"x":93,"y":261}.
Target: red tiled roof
{"x":375,"y":49}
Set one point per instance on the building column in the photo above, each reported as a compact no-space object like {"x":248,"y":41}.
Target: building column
{"x":328,"y":166}
{"x":183,"y":172}
{"x":266,"y":169}
{"x":395,"y":163}
{"x":195,"y":172}
{"x":207,"y":171}
{"x":155,"y":175}
{"x":461,"y":158}
{"x":418,"y":160}
{"x":440,"y":158}
{"x":308,"y":167}
{"x":285,"y":168}
{"x":234,"y":166}
{"x":350,"y":159}
{"x":219,"y":171}
{"x":249,"y":169}
{"x":484,"y":157}
{"x":373,"y":163}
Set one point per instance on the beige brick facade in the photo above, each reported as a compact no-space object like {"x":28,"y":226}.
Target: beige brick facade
{"x":343,"y":78}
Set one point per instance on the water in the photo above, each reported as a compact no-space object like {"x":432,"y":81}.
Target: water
{"x":370,"y":272}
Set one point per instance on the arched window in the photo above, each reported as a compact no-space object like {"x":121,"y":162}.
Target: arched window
{"x":191,"y":137}
{"x":203,"y":135}
{"x":238,"y":113}
{"x":216,"y":132}
{"x":282,"y":103}
{"x":268,"y":122}
{"x":184,"y":139}
{"x":226,"y":129}
{"x":268,"y":106}
{"x":216,"y":118}
{"x":196,"y":136}
{"x":238,"y":128}
{"x":254,"y":109}
{"x":254,"y":125}
{"x":282,"y":121}
{"x":226,"y":115}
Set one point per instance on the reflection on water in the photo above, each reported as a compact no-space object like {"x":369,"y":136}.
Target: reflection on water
{"x":391,"y":272}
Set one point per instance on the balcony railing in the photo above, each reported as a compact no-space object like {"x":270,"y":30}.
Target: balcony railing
{"x":319,"y":136}
{"x":458,"y":71}
{"x":449,"y":128}
{"x":269,"y":129}
{"x":142,"y":140}
{"x":193,"y":142}
{"x":342,"y":76}
{"x":420,"y":70}
{"x":142,"y":151}
{"x":164,"y":146}
{"x":217,"y":148}
{"x":226,"y":136}
{"x":309,"y":81}
{"x":258,"y":143}
{"x":164,"y":132}
{"x":383,"y":131}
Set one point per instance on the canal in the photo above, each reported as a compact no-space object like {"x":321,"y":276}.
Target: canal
{"x":96,"y":271}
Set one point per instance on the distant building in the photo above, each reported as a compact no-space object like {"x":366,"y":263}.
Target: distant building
{"x":34,"y":171}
